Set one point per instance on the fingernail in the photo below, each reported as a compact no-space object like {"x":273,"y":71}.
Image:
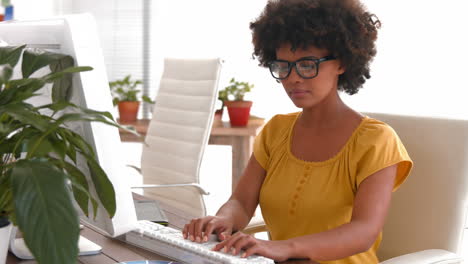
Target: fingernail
{"x":225,"y":250}
{"x":205,"y":239}
{"x":233,"y":251}
{"x":243,"y":255}
{"x":191,"y":237}
{"x":197,"y":239}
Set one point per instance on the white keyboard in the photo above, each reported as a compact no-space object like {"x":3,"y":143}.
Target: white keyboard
{"x":170,"y":243}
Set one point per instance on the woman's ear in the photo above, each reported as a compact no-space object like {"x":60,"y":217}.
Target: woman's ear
{"x":341,"y":68}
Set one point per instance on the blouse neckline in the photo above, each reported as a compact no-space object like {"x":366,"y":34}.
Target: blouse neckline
{"x":327,"y":161}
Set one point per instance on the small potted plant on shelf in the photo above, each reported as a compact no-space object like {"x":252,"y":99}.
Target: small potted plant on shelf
{"x":232,"y":97}
{"x":39,"y":173}
{"x":222,"y":95}
{"x":126,"y":98}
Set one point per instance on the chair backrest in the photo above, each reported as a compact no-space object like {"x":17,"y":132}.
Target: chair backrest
{"x":429,"y":210}
{"x":179,"y":131}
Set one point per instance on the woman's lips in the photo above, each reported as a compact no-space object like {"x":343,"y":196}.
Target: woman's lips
{"x":298,"y":93}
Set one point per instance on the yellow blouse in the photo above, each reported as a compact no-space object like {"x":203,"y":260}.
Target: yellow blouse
{"x":299,"y":197}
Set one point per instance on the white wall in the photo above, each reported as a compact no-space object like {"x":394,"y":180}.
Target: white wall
{"x":419,"y":68}
{"x":213,"y":28}
{"x":31,"y":9}
{"x":421,"y":61}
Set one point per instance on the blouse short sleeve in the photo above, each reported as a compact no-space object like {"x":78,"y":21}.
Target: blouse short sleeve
{"x":260,"y":149}
{"x":377,"y":147}
{"x":272,"y":135}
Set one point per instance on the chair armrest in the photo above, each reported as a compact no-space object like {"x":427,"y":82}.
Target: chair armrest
{"x":256,"y":225}
{"x":194,"y":185}
{"x":134,"y":167}
{"x":431,"y":256}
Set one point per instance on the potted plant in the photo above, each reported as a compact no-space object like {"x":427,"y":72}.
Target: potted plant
{"x":222,"y":95}
{"x":39,"y":176}
{"x":232,"y":97}
{"x":125,"y":96}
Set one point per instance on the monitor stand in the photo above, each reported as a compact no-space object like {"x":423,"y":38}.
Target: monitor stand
{"x":20,"y":250}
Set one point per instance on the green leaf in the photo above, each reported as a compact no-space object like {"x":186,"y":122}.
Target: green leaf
{"x":35,"y":59}
{"x":44,"y":144}
{"x":44,"y":147}
{"x":47,"y":218}
{"x":70,"y":148}
{"x":125,"y":90}
{"x":6,"y":71}
{"x":6,"y":146}
{"x":103,"y":186}
{"x":12,"y":145}
{"x":147,"y":99}
{"x":77,"y":142}
{"x":89,"y":115}
{"x":7,"y":126}
{"x":98,"y":113}
{"x":11,"y":55}
{"x":78,"y":178}
{"x":82,"y":196}
{"x":22,"y":114}
{"x":57,"y":75}
{"x":63,"y":85}
{"x":58,"y":106}
{"x":20,"y":90}
{"x":6,"y":198}
{"x":80,"y":188}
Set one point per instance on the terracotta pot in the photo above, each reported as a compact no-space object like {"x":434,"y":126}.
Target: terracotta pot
{"x":239,"y":112}
{"x":5,"y":231}
{"x":128,"y":111}
{"x":218,"y":116}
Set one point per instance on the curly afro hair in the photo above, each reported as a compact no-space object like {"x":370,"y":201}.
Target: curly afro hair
{"x":343,"y":27}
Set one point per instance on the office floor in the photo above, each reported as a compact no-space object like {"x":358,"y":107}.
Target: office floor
{"x":215,"y":173}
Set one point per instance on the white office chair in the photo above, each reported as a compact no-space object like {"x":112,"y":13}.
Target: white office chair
{"x":178,"y":134}
{"x":427,"y":218}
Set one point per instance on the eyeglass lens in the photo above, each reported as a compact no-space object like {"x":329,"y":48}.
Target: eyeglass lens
{"x":305,"y":68}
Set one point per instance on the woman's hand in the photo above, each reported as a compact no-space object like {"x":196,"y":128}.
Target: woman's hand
{"x":199,"y":229}
{"x":276,"y":250}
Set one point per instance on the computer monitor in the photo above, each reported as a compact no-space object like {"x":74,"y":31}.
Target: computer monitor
{"x":76,"y":35}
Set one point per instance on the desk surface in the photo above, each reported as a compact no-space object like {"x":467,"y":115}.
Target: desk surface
{"x":218,"y":129}
{"x":115,"y":251}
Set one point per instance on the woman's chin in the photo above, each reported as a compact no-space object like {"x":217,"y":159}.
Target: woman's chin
{"x":299,"y":103}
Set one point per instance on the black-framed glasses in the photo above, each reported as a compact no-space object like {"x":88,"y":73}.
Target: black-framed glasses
{"x":307,"y":67}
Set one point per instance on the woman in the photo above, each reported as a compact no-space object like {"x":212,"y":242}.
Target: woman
{"x":324,"y":176}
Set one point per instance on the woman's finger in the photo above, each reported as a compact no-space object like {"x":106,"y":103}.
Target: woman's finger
{"x":191,"y":230}
{"x":244,"y":241}
{"x":198,"y":230}
{"x":210,"y":227}
{"x":255,"y":249}
{"x":185,"y":231}
{"x":231,"y":241}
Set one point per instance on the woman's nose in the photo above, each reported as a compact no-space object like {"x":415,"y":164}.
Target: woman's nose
{"x":294,"y":76}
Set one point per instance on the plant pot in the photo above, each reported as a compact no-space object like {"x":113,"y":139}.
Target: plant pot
{"x":128,"y":111}
{"x":5,"y":231}
{"x":218,"y":117}
{"x":239,"y":112}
